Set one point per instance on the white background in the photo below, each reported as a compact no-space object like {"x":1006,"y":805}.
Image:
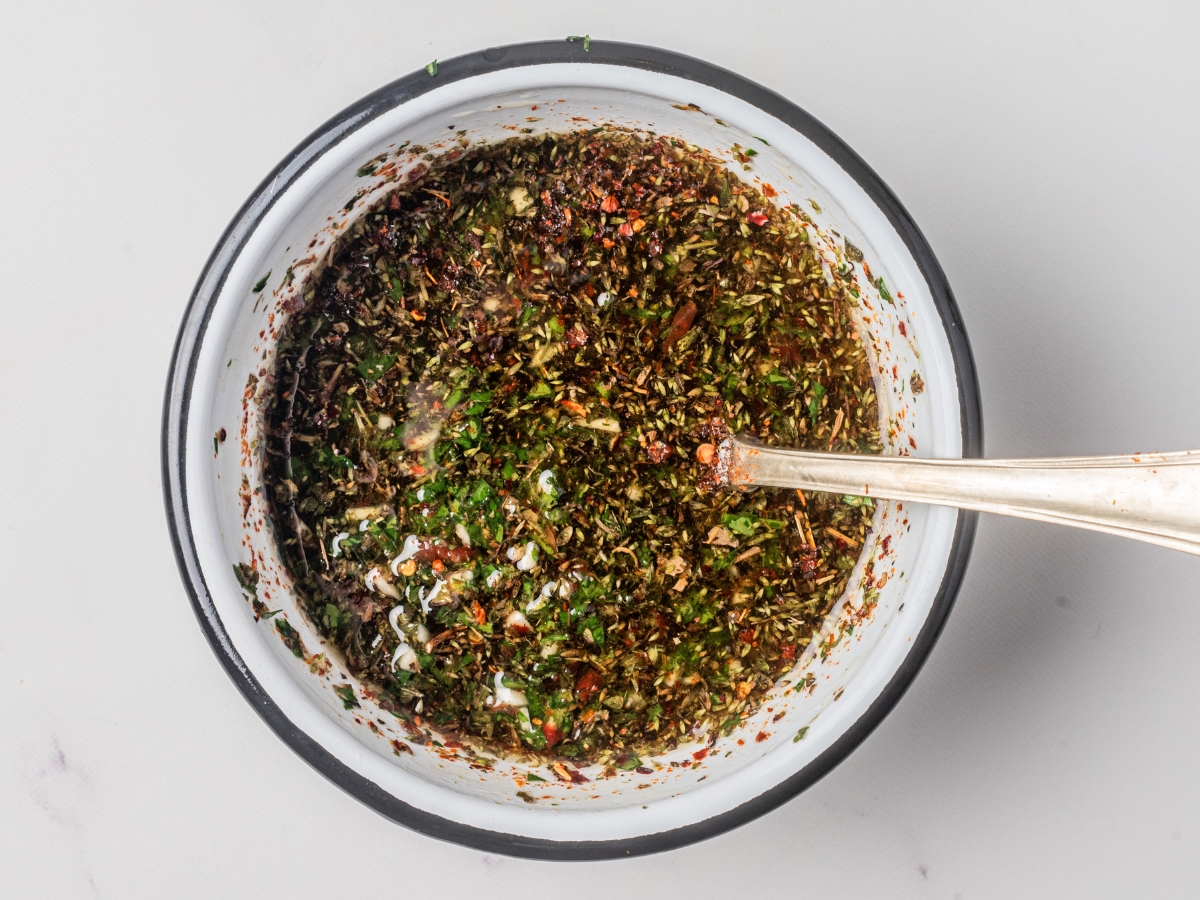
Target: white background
{"x":1050,"y":151}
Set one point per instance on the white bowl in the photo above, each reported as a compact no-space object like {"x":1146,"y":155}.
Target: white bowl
{"x":869,"y":652}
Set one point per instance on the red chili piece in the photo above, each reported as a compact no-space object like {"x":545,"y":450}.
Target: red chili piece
{"x":453,"y":555}
{"x":680,"y":323}
{"x":576,"y":337}
{"x":657,"y":451}
{"x":587,"y":685}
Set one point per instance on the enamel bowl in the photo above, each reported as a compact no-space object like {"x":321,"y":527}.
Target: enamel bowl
{"x":872,"y":643}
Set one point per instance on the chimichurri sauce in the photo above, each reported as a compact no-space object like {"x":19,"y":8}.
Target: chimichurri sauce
{"x":488,"y":437}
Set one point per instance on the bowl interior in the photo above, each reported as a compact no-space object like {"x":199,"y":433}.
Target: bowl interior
{"x":865,"y":639}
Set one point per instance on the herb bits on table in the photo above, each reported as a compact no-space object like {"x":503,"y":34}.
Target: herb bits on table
{"x":489,"y":437}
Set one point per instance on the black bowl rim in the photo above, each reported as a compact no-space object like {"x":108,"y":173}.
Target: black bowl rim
{"x":195,"y":321}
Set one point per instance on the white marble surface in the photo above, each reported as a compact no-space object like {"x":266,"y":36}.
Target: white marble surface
{"x":1051,"y":153}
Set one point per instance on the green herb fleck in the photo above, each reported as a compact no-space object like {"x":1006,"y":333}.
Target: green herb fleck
{"x":814,"y":405}
{"x":291,"y":637}
{"x":346,"y":692}
{"x":247,"y":577}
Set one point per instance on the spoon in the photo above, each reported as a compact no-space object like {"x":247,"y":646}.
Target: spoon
{"x":1151,"y":497}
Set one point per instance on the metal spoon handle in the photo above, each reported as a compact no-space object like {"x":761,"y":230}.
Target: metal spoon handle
{"x":1152,"y":497}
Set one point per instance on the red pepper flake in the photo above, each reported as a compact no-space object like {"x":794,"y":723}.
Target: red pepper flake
{"x":608,"y":244}
{"x":680,"y":323}
{"x":609,"y":204}
{"x":700,"y":754}
{"x":757,"y":218}
{"x":399,"y":747}
{"x":588,"y":684}
{"x":552,"y":733}
{"x":903,"y":330}
{"x":576,"y":337}
{"x":760,"y":737}
{"x":625,"y":230}
{"x":657,"y":451}
{"x":478,"y":612}
{"x":769,"y":191}
{"x":574,"y":408}
{"x":787,"y":652}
